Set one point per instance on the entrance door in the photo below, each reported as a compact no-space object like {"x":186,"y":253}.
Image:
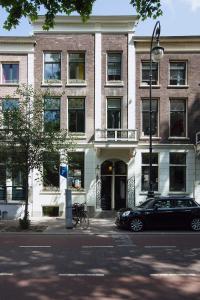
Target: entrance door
{"x":113,"y":185}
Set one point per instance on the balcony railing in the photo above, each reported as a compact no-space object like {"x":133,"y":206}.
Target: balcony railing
{"x":116,"y":135}
{"x":198,"y":138}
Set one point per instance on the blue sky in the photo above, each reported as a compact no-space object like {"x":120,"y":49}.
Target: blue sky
{"x":180,"y":17}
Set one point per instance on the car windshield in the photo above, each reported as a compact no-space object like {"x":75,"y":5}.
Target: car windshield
{"x":146,"y":204}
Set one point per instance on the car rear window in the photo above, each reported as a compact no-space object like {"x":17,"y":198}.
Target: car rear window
{"x":185,"y":203}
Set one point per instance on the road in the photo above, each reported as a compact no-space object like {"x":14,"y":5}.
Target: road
{"x":124,"y":265}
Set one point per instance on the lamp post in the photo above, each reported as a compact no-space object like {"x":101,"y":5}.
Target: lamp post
{"x":156,"y":53}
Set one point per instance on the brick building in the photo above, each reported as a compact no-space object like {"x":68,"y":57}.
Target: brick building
{"x":99,"y":75}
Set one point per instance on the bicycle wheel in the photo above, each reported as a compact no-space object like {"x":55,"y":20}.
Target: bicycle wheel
{"x":75,"y":220}
{"x":84,"y":220}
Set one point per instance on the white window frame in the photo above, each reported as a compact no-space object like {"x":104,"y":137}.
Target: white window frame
{"x":158,"y":119}
{"x":10,"y":63}
{"x":56,"y":82}
{"x":147,"y":85}
{"x":186,"y":72}
{"x":70,"y":81}
{"x":114,"y":82}
{"x":179,"y":165}
{"x":186,"y":118}
{"x":153,"y":165}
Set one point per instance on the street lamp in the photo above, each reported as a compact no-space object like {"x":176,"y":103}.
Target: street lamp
{"x":156,"y":53}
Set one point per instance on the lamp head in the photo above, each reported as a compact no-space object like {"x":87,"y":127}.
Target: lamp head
{"x":157,"y":53}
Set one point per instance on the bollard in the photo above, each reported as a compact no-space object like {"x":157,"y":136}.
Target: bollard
{"x":68,"y":209}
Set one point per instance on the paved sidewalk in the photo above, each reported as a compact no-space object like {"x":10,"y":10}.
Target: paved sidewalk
{"x":51,"y":225}
{"x":58,"y":226}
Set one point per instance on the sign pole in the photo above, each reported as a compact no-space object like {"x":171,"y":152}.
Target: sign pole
{"x":68,"y":198}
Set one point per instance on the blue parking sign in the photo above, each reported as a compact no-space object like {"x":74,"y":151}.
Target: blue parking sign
{"x":64,"y":170}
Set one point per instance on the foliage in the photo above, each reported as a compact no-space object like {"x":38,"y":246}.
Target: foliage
{"x":23,"y":141}
{"x":30,"y":8}
{"x":147,"y":8}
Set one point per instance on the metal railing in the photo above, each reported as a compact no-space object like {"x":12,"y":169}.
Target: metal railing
{"x":116,"y":135}
{"x":198,"y":138}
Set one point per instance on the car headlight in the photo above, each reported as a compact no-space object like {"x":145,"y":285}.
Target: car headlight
{"x":126,"y":213}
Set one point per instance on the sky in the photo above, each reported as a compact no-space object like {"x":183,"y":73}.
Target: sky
{"x":180,"y":17}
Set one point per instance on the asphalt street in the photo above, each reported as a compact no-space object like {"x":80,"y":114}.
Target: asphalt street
{"x":103,"y":266}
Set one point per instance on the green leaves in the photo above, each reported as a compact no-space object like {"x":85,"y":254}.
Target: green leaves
{"x":147,"y":8}
{"x":31,"y":8}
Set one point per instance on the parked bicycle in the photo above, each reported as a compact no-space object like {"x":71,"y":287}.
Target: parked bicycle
{"x":79,"y":215}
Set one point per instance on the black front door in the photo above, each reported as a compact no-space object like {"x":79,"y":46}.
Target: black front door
{"x":120,"y":192}
{"x":106,"y":192}
{"x":113,"y":185}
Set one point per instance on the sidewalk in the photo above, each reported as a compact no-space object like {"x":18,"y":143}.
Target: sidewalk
{"x":58,"y":226}
{"x":51,"y":225}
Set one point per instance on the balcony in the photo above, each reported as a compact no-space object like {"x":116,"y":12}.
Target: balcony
{"x":115,"y":137}
{"x":198,"y":142}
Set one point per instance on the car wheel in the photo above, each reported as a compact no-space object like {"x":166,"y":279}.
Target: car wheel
{"x":195,"y":224}
{"x":136,"y":225}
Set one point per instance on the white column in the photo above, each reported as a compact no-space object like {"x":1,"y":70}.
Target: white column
{"x":131,"y":83}
{"x":30,"y":75}
{"x":98,"y":80}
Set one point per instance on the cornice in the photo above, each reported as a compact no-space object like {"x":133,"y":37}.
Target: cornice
{"x":74,"y":24}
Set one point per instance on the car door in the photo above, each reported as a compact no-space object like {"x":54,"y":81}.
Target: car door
{"x":163,"y":214}
{"x":182,"y":212}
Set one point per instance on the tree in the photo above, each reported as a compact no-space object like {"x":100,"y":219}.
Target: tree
{"x":30,"y":9}
{"x":26,"y":138}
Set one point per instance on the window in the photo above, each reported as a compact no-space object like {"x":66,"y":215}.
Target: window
{"x":145,"y":117}
{"x":113,"y":116}
{"x":177,"y":172}
{"x":177,"y":118}
{"x":76,"y":170}
{"x":9,"y":108}
{"x":52,"y":66}
{"x":146,"y":73}
{"x":163,"y":203}
{"x":52,"y":114}
{"x":51,"y":165}
{"x":76,"y":67}
{"x":145,"y":171}
{"x":178,"y":73}
{"x":76,"y":114}
{"x":114,"y":66}
{"x":10,"y":73}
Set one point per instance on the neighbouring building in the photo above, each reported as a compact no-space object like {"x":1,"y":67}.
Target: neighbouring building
{"x":98,"y":73}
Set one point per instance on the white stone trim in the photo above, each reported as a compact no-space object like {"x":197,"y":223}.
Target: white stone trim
{"x":98,"y":74}
{"x":131,"y":83}
{"x":93,"y":24}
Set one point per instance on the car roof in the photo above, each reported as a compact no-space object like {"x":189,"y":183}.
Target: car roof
{"x":176,"y":197}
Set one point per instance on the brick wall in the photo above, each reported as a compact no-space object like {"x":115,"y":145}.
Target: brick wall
{"x":164,"y":93}
{"x":66,"y":43}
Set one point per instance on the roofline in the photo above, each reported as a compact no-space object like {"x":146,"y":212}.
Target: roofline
{"x":17,"y":39}
{"x":92,"y":19}
{"x":174,"y":38}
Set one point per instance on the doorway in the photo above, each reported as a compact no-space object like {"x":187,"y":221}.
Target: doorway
{"x":113,"y":185}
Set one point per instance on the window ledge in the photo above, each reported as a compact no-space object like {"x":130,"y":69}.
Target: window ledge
{"x":144,"y":86}
{"x":56,"y":84}
{"x":178,"y":86}
{"x":78,"y":135}
{"x":147,"y":138}
{"x":12,"y":202}
{"x":78,"y":192}
{"x":178,"y":138}
{"x":114,"y":83}
{"x":76,"y":83}
{"x":9,"y":84}
{"x":47,"y":192}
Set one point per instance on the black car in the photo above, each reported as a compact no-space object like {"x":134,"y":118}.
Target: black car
{"x":161,"y":213}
